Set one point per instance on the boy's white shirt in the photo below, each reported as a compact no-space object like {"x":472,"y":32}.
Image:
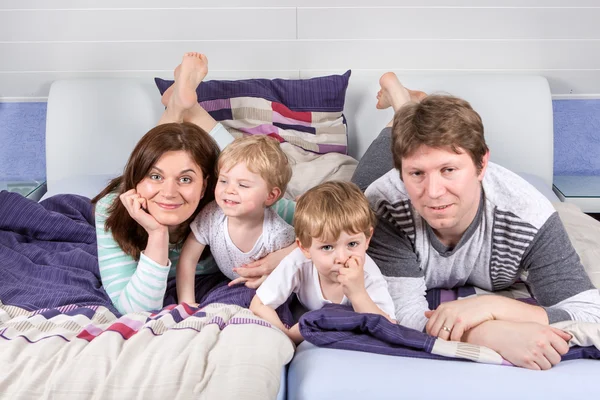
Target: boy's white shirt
{"x":210,"y":228}
{"x":297,"y":274}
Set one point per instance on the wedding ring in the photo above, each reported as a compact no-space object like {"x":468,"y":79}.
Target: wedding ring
{"x":445,"y":328}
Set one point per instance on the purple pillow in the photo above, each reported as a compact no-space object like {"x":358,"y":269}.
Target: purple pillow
{"x":305,"y":112}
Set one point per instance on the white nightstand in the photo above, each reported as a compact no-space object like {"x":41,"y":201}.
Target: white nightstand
{"x":31,"y":189}
{"x":583,"y":191}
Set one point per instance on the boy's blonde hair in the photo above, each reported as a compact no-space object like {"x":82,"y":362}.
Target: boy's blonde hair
{"x":263,"y":156}
{"x":326,"y":210}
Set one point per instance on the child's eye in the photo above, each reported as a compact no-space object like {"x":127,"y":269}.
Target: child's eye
{"x":327,"y":247}
{"x":222,"y":181}
{"x":352,"y":244}
{"x":244,"y":186}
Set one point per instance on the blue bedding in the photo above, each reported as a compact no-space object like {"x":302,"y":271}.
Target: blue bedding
{"x":339,"y":327}
{"x":48,"y":255}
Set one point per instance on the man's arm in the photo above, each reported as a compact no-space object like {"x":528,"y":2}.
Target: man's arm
{"x":557,"y":278}
{"x":393,"y":253}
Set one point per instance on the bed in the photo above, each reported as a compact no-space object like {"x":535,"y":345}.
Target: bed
{"x":92,"y":126}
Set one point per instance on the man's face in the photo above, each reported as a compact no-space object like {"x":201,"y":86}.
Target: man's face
{"x":445,"y":189}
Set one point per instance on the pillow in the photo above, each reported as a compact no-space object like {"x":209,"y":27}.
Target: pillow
{"x":584,"y":232}
{"x":304,"y":112}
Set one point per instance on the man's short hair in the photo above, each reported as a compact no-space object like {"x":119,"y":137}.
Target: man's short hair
{"x":438,"y":121}
{"x":263,"y":156}
{"x":326,"y":210}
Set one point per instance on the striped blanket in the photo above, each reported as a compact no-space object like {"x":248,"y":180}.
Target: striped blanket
{"x":338,"y":327}
{"x":60,"y":336}
{"x":84,"y":352}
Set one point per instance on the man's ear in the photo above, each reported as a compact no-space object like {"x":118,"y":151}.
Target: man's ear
{"x":303,"y":249}
{"x":273,"y":196}
{"x":484,"y":163}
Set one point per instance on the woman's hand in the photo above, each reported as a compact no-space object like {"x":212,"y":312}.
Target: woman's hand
{"x":255,"y":273}
{"x":137,"y":207}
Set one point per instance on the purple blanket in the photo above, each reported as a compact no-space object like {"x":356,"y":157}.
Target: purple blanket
{"x":339,"y":327}
{"x":48,"y":258}
{"x":48,"y":255}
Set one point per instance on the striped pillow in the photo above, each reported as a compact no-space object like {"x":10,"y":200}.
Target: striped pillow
{"x":305,"y":112}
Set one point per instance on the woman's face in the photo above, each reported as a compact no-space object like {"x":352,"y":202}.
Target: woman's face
{"x":173,"y":188}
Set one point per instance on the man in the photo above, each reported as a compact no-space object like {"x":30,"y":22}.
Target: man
{"x":448,"y":217}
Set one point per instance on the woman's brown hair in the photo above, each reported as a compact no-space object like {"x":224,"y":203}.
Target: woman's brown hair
{"x":130,"y":235}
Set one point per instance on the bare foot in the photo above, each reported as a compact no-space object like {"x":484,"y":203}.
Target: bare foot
{"x":166,"y":97}
{"x":416,"y":96}
{"x":188,"y":75}
{"x":394,"y":94}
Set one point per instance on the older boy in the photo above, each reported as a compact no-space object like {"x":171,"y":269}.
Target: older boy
{"x":239,"y":226}
{"x":333,"y":224}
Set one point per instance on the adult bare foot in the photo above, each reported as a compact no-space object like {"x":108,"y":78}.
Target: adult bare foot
{"x":416,"y":96}
{"x":188,"y":75}
{"x":394,"y":94}
{"x":166,"y":97}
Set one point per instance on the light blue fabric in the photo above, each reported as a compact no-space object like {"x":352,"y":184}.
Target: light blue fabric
{"x":319,"y":373}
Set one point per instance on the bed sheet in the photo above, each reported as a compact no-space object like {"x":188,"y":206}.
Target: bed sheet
{"x":319,"y":373}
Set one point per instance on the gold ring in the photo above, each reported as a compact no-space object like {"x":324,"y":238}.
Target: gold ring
{"x":446,"y":328}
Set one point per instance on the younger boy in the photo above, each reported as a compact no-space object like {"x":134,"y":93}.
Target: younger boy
{"x":239,"y":225}
{"x":333,"y":224}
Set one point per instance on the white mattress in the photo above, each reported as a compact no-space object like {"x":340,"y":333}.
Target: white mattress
{"x":319,"y":373}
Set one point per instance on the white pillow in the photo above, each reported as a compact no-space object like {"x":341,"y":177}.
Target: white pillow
{"x":584,"y":232}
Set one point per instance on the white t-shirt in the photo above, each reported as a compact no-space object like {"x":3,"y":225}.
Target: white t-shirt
{"x":297,"y":274}
{"x":210,"y":228}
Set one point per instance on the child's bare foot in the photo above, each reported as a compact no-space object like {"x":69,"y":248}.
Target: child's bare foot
{"x":188,"y":76}
{"x":394,"y":94}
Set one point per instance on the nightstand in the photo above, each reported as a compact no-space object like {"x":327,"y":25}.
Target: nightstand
{"x":583,"y":191}
{"x":31,"y":189}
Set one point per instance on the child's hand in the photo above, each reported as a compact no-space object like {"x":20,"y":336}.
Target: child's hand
{"x":255,"y":273}
{"x":252,"y":283}
{"x":352,"y":278}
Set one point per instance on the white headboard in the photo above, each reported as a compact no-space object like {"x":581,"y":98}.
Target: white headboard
{"x":93,"y":124}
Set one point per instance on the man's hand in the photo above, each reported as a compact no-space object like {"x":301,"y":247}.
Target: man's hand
{"x":452,"y":319}
{"x":524,"y":344}
{"x":255,"y":273}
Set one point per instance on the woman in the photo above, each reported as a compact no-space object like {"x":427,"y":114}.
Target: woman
{"x":143,"y":216}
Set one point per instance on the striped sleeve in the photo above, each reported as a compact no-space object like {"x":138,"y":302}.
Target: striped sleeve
{"x":557,"y":278}
{"x":285,"y":209}
{"x":221,"y":135}
{"x":131,"y":285}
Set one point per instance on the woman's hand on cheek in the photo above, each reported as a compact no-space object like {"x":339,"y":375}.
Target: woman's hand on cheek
{"x":137,"y":207}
